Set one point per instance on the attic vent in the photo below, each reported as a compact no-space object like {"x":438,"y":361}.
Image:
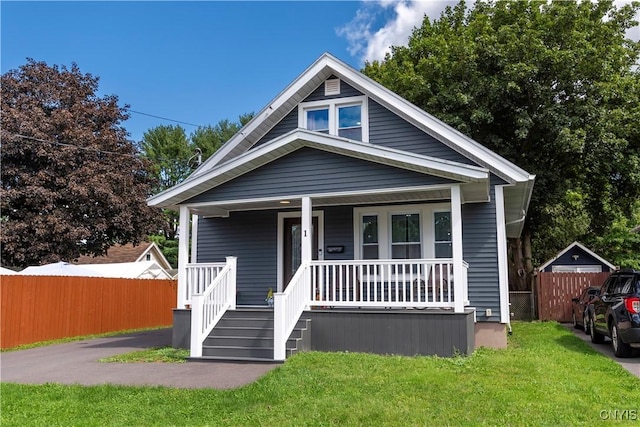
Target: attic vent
{"x":332,"y":87}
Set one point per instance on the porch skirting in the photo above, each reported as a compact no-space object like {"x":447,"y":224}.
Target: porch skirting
{"x":396,"y":331}
{"x":400,"y":332}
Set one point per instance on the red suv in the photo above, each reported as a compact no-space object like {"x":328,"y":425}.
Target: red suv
{"x":616,"y":312}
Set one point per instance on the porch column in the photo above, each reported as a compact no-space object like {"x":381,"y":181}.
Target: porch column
{"x":183,"y":256}
{"x":456,"y":246}
{"x":307,"y":231}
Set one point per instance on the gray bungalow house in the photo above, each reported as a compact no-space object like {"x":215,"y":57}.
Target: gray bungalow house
{"x":377,"y":227}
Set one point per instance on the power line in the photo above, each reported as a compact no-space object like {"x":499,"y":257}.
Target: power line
{"x":198,"y":152}
{"x":62,"y":144}
{"x":164,"y":118}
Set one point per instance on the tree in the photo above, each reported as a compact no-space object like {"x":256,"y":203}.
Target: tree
{"x":71,"y":182}
{"x":170,"y":152}
{"x":553,"y":87}
{"x":174,"y":157}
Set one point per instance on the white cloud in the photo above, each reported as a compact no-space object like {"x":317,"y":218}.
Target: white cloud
{"x":372,"y":44}
{"x":370,"y":41}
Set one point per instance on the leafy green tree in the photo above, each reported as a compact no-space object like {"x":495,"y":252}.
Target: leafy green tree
{"x":169,"y":151}
{"x":72,"y":184}
{"x":174,"y":157}
{"x":209,"y":138}
{"x":553,"y":87}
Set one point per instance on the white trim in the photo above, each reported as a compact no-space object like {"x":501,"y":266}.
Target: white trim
{"x":579,"y":245}
{"x":457,"y":248}
{"x":503,"y":266}
{"x":333,"y":105}
{"x":280,"y":243}
{"x":194,"y":239}
{"x":384,"y":212}
{"x":183,"y":256}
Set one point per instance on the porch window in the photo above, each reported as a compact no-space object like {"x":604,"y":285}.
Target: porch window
{"x":370,"y":237}
{"x":345,"y":117}
{"x":405,"y":236}
{"x":403,"y":231}
{"x":442,"y":227}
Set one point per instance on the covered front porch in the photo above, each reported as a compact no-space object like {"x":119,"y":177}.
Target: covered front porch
{"x":316,"y":283}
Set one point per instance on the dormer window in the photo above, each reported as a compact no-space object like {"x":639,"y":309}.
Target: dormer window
{"x":345,"y":117}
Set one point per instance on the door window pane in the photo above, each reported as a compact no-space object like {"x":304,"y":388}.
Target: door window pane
{"x":405,"y":236}
{"x":318,"y":120}
{"x":370,"y":237}
{"x":442,"y":226}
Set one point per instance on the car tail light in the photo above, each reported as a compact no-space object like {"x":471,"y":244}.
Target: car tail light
{"x":632,"y":305}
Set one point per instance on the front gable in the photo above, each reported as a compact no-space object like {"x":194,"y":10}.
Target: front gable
{"x":388,"y":122}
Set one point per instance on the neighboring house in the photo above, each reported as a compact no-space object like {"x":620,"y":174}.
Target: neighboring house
{"x":123,"y":270}
{"x":381,"y":224}
{"x":7,"y":271}
{"x":146,"y":251}
{"x":577,"y":258}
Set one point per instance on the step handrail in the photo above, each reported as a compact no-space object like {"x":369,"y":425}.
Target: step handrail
{"x":209,"y":306}
{"x":288,"y":306}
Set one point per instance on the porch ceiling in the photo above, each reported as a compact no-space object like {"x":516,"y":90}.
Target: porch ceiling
{"x":471,"y":193}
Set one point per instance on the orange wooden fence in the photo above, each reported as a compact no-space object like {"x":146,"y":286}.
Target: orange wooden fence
{"x":41,"y":308}
{"x":555,"y":291}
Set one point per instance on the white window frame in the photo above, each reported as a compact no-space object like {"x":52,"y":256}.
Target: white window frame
{"x":427,"y":218}
{"x":332,"y":105}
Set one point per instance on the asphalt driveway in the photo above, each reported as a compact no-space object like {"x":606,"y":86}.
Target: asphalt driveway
{"x":631,"y":364}
{"x":77,"y":363}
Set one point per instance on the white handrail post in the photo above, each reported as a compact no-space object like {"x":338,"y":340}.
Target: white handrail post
{"x":456,"y":245}
{"x":232,"y":262}
{"x":196,"y":325}
{"x":279,"y":342}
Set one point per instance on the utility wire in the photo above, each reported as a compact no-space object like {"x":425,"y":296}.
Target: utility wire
{"x":164,"y":118}
{"x":62,"y":144}
{"x":198,"y":152}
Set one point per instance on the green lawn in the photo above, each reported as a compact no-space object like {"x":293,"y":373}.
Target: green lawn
{"x":546,"y":377}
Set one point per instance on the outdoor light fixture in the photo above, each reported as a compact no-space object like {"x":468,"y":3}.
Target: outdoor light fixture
{"x":284,"y":202}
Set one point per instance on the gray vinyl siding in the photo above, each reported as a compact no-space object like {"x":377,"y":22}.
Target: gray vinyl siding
{"x":250,"y":236}
{"x":345,"y":92}
{"x":310,"y":171}
{"x":338,"y":231}
{"x":480,"y":251}
{"x":389,"y":130}
{"x":287,"y":124}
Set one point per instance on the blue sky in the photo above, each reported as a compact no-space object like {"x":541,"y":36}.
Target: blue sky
{"x":201,"y":62}
{"x":198,"y":62}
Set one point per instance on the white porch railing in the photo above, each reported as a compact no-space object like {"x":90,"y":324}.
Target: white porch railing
{"x":417,"y":283}
{"x":420,"y":283}
{"x":209,"y":305}
{"x":199,"y":277}
{"x":288,"y":306}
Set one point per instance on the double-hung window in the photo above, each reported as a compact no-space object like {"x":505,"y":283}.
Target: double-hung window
{"x":345,"y":117}
{"x":405,"y":236}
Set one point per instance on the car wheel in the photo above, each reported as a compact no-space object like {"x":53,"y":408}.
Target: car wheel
{"x":620,"y":348}
{"x":596,"y":337}
{"x":585,"y":322}
{"x":573,"y":318}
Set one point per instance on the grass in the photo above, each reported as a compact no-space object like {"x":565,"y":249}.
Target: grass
{"x":79,"y":338}
{"x":150,"y":355}
{"x":547,"y":376}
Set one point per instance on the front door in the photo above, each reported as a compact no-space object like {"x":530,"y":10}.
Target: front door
{"x":292,"y":246}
